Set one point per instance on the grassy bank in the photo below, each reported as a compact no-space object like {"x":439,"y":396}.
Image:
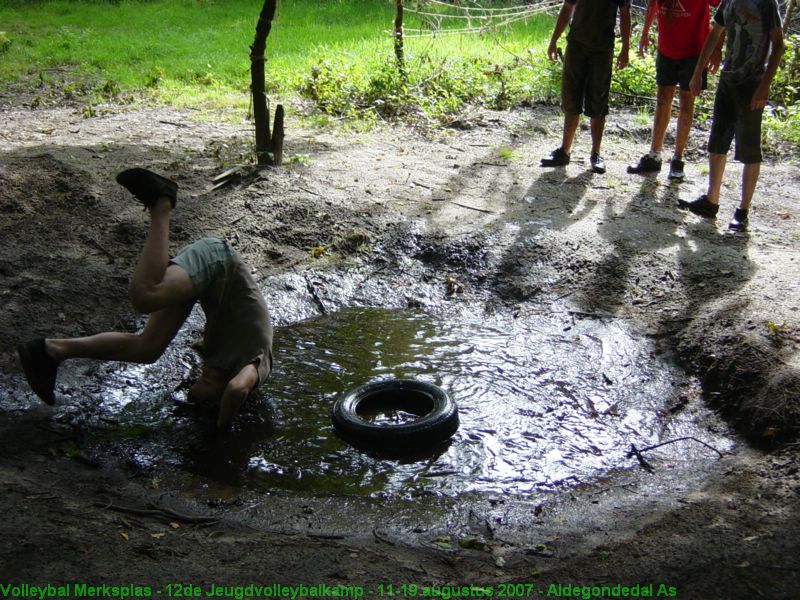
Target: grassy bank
{"x":195,"y":51}
{"x":336,"y":53}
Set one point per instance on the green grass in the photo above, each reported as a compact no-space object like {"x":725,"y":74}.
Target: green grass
{"x":336,"y":53}
{"x":195,"y":51}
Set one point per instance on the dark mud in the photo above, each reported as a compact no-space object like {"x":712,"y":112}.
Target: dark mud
{"x":450,"y":226}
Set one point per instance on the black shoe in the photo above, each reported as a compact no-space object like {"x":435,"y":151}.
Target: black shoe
{"x":646,"y":164}
{"x":701,"y":207}
{"x":676,"y":169}
{"x":40,"y":369}
{"x":597,"y":162}
{"x":147,"y":186}
{"x":739,"y":221}
{"x":558,"y":158}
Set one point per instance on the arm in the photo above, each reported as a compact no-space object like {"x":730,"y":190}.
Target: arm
{"x":714,"y":38}
{"x":716,"y":56}
{"x":625,"y":33}
{"x":775,"y":54}
{"x":644,"y":41}
{"x":235,"y":393}
{"x":564,"y":17}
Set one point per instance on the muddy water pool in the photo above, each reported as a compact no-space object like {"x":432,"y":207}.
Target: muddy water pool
{"x":546,"y":401}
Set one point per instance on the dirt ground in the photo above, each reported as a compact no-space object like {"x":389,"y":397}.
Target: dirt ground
{"x":472,"y":203}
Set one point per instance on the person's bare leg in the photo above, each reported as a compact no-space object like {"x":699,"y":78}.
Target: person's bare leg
{"x":570,"y":127}
{"x":235,"y":393}
{"x":685,"y":116}
{"x":156,"y":283}
{"x":661,"y":118}
{"x":143,"y":347}
{"x":716,"y":166}
{"x":750,"y":175}
{"x":597,"y":126}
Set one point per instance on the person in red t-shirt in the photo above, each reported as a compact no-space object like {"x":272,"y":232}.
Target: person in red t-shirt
{"x":683,"y":26}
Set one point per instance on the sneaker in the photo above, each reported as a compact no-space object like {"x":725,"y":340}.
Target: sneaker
{"x":676,"y":169}
{"x":39,"y":368}
{"x":597,"y":162}
{"x":646,"y":164}
{"x":147,"y":186}
{"x":558,"y":158}
{"x":702,"y":207}
{"x":739,"y":221}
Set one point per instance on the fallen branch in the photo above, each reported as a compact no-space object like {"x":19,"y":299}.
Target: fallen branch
{"x":158,"y":512}
{"x":680,"y":439}
{"x":634,"y":451}
{"x":483,"y":210}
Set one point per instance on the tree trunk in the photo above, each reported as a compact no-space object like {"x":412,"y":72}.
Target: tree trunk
{"x":398,"y":39}
{"x":257,"y":82}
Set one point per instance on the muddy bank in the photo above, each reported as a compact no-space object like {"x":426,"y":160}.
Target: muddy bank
{"x":471,"y":215}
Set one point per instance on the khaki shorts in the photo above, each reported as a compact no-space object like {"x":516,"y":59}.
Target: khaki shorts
{"x":204,"y":261}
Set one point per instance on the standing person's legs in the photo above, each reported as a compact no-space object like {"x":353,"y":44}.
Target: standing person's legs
{"x":571,"y":122}
{"x":716,"y":171}
{"x":663,"y":112}
{"x":598,"y":85}
{"x":719,"y":142}
{"x":572,"y":98}
{"x":749,"y":180}
{"x":685,"y":117}
{"x":597,"y":126}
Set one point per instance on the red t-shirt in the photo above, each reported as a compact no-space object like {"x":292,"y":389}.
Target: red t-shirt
{"x":683,"y":26}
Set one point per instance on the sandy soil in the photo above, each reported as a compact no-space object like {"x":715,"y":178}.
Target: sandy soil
{"x":478,"y":208}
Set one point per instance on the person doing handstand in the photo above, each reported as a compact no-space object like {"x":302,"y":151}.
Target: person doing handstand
{"x":237,"y":342}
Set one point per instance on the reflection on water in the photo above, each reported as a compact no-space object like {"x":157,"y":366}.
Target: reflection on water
{"x":544,"y":401}
{"x":541,"y":403}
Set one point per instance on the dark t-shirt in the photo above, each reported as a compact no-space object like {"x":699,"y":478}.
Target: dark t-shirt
{"x":747,"y":23}
{"x":593,"y":23}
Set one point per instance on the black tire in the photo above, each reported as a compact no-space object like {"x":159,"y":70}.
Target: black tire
{"x":438,"y":418}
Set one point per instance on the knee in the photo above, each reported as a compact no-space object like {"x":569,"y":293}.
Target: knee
{"x":148,"y":350}
{"x":237,"y":390}
{"x":141,"y":300}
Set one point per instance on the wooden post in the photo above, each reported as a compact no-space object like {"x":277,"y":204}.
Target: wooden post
{"x":277,"y":137}
{"x":398,"y":38}
{"x":258,"y":82}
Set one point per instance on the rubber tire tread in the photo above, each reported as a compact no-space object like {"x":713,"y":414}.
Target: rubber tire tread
{"x":436,"y":426}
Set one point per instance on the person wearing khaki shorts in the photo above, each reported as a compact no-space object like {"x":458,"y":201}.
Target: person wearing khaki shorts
{"x":237,"y":343}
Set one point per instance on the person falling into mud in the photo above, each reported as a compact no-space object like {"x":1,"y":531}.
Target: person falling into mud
{"x":237,"y":342}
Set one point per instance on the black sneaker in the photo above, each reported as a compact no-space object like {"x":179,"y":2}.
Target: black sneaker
{"x":597,"y":163}
{"x":702,"y":207}
{"x":148,"y":186}
{"x":39,"y":368}
{"x":646,"y":164}
{"x":739,"y":221}
{"x":558,"y":158}
{"x":676,"y":169}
